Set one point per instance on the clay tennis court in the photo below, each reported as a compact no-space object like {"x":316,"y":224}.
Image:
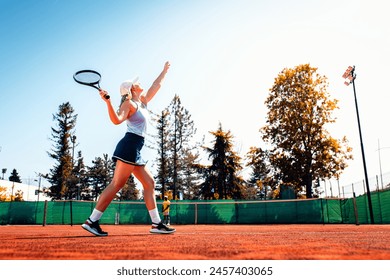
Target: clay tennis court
{"x":198,"y":242}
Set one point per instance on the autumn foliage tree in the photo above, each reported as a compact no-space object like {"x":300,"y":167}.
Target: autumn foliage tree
{"x":299,"y":109}
{"x":3,"y":194}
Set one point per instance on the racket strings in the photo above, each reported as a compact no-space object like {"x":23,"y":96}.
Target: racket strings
{"x":87,"y":77}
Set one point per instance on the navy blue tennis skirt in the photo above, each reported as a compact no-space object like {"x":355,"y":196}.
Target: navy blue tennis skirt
{"x":129,"y":148}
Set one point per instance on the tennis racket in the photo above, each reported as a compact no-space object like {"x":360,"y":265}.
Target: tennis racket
{"x":89,"y":78}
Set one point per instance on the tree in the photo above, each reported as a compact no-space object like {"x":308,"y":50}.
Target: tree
{"x":221,"y":179}
{"x":100,"y":174}
{"x":15,"y":176}
{"x":182,"y":131}
{"x":299,"y":108}
{"x":18,"y":196}
{"x":175,"y":130}
{"x":163,"y":175}
{"x":78,"y":181}
{"x":3,"y":194}
{"x":191,"y":179}
{"x":62,"y":134}
{"x":129,"y":190}
{"x":259,"y":177}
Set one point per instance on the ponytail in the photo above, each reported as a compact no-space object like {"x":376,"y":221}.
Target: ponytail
{"x":123,"y":99}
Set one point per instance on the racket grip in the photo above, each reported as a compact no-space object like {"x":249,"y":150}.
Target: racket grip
{"x":107,"y":96}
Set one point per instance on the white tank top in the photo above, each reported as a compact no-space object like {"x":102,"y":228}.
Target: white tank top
{"x":137,"y":123}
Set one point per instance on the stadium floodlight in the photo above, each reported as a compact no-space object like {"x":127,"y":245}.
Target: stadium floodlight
{"x":350,"y":76}
{"x":349,"y":71}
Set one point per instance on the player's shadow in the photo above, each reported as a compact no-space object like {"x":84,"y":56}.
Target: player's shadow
{"x":81,"y":236}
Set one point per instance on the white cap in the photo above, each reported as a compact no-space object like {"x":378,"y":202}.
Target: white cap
{"x":126,"y":86}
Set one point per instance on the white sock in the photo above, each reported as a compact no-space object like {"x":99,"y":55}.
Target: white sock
{"x":155,"y":216}
{"x":96,"y":215}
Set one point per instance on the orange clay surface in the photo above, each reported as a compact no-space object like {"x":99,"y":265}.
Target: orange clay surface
{"x":198,"y":242}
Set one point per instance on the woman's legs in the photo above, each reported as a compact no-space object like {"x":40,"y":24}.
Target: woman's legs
{"x":121,"y":175}
{"x":143,"y":175}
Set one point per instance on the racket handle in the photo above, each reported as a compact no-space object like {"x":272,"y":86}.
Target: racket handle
{"x":107,"y":96}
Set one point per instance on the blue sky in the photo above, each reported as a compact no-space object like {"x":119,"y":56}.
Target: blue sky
{"x":224,"y":57}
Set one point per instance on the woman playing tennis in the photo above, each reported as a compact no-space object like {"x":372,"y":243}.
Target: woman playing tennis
{"x":133,"y":111}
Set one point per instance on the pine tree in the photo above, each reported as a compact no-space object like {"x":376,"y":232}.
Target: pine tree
{"x":259,"y":177}
{"x":61,"y":135}
{"x":129,"y":191}
{"x":15,"y":177}
{"x":191,"y":180}
{"x":78,"y":182}
{"x":163,"y":176}
{"x":221,"y":179}
{"x":182,"y":131}
{"x":100,"y":174}
{"x":176,"y":155}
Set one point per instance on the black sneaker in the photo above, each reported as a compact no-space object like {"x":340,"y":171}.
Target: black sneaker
{"x":94,"y":228}
{"x":161,"y":228}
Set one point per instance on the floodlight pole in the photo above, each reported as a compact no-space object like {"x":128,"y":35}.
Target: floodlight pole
{"x":353,"y":75}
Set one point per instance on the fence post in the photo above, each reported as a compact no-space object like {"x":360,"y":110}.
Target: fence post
{"x":341,"y":211}
{"x":236,"y":211}
{"x":44,"y":214}
{"x":71,"y":213}
{"x":116,"y":218}
{"x":196,"y":213}
{"x":380,"y":206}
{"x":355,"y":209}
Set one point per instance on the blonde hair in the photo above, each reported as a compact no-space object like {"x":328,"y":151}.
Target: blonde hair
{"x":123,"y":99}
{"x":126,"y":96}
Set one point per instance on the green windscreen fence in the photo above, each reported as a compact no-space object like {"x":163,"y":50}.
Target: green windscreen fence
{"x":298,"y":211}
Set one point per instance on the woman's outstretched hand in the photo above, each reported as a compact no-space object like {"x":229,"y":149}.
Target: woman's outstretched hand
{"x":104,"y":95}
